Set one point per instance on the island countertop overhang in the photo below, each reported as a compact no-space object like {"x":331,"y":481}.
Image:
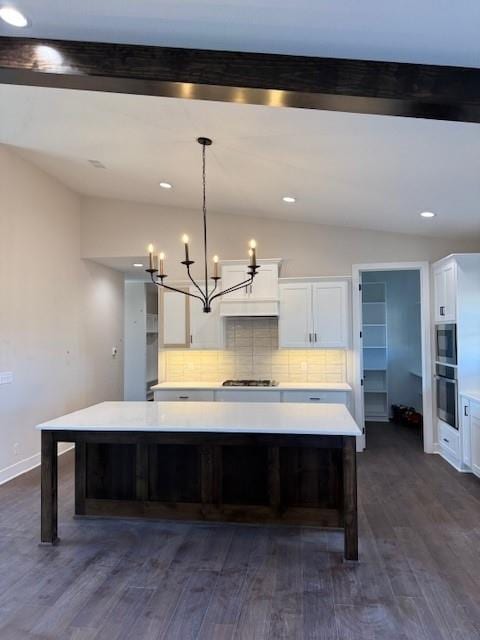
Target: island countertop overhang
{"x":210,"y":417}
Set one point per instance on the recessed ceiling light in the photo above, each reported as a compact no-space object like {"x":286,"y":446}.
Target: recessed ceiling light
{"x":13,"y":17}
{"x":289,"y":199}
{"x":137,"y":264}
{"x":427,"y":214}
{"x":165,"y":185}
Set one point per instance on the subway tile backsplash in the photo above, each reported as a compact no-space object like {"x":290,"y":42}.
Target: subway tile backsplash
{"x":251,"y":351}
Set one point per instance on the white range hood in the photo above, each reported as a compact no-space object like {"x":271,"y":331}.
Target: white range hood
{"x":259,"y":299}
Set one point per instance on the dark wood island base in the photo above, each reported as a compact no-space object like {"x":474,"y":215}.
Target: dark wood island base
{"x":228,"y":477}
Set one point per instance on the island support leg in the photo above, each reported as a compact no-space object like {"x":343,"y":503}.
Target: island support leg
{"x":350,"y":498}
{"x":49,"y":488}
{"x":80,"y":477}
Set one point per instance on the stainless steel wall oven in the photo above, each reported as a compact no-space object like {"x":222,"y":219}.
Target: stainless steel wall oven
{"x":446,"y":343}
{"x":446,"y":382}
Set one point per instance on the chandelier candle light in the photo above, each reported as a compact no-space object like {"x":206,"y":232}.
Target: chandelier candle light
{"x":157,"y":267}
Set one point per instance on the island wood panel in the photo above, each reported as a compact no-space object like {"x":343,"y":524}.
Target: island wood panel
{"x":233,"y":475}
{"x":254,"y":478}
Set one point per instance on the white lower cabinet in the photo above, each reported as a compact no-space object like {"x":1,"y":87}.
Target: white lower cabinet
{"x":242,"y":395}
{"x":466,"y":435}
{"x":231,"y":395}
{"x":185,"y":395}
{"x":475,"y":437}
{"x":339,"y":397}
{"x":450,"y":443}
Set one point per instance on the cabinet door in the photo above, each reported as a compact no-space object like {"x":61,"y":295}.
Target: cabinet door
{"x":265,"y":284}
{"x":439,"y":294}
{"x":232,"y":274}
{"x":475,"y":437}
{"x":319,"y":397}
{"x":295,"y":323}
{"x":206,"y":329}
{"x":450,"y":292}
{"x":184,"y":395}
{"x":330,"y":315}
{"x":232,"y":395}
{"x":175,"y":320}
{"x":444,"y":282}
{"x":466,"y":435}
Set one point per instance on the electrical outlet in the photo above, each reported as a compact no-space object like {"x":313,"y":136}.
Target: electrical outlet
{"x":114,"y":352}
{"x":6,"y":377}
{"x":15,"y":449}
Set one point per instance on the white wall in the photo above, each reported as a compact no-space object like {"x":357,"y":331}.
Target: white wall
{"x":59,"y":315}
{"x":403,"y":335}
{"x":113,"y":228}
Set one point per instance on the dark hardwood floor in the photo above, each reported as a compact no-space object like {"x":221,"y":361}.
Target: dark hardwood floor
{"x":418,"y":577}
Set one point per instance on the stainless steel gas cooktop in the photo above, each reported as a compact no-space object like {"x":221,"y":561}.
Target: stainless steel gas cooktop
{"x":250,"y":383}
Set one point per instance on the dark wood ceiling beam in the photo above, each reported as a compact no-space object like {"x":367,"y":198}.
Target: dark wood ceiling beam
{"x":357,"y":86}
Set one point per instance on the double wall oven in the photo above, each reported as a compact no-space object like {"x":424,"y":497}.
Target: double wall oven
{"x":446,"y":373}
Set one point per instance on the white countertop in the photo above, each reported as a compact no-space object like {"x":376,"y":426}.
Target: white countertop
{"x":282,"y":386}
{"x":217,"y":417}
{"x":471,"y":394}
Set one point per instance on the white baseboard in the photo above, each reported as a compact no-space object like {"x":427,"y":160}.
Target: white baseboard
{"x":19,"y":468}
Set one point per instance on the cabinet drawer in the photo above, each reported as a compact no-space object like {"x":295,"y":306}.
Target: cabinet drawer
{"x":339,"y":397}
{"x":184,"y":395}
{"x":230,"y":395}
{"x":449,"y":440}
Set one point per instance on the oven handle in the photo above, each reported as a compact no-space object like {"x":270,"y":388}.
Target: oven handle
{"x":449,"y":380}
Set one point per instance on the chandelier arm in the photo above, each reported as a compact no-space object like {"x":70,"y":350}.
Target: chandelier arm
{"x":209,"y":299}
{"x":185,"y":293}
{"x":204,"y":297}
{"x":240,"y":285}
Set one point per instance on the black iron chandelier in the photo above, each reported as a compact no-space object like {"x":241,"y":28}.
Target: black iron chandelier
{"x":206,"y":295}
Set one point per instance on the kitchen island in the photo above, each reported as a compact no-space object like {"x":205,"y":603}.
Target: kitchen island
{"x":235,"y":462}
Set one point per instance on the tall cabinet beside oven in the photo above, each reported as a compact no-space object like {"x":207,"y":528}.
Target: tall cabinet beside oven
{"x":456,"y":313}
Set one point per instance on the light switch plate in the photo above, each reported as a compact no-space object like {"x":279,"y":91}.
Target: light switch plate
{"x":6,"y":377}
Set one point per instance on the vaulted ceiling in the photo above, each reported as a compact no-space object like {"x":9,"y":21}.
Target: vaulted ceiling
{"x":362,"y":171}
{"x":426,"y":31}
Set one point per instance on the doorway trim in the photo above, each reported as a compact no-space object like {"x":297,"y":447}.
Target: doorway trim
{"x":427,"y":392}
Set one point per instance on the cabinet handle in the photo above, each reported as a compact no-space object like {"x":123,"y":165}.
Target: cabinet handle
{"x":442,"y":311}
{"x":314,"y":398}
{"x":183,"y":397}
{"x":315,"y":337}
{"x":465,"y":411}
{"x":191,"y":339}
{"x":309,"y":337}
{"x":446,"y":440}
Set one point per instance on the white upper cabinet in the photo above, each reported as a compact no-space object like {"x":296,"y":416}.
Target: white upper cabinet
{"x":232,"y":274}
{"x":314,"y":315}
{"x":206,"y":329}
{"x":444,"y":286}
{"x":175,"y":319}
{"x":295,"y":323}
{"x":265,"y":284}
{"x":258,"y":299}
{"x":185,"y":325}
{"x":330,"y":315}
